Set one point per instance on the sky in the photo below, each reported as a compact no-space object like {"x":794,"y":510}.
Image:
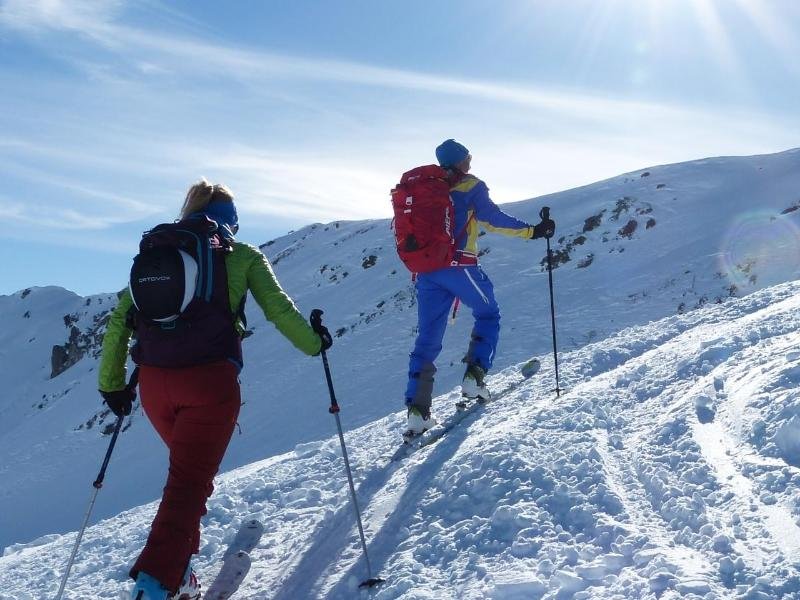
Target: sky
{"x":311,"y":111}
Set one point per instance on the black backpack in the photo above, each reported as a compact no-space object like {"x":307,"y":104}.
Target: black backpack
{"x":178,"y":283}
{"x":175,"y":267}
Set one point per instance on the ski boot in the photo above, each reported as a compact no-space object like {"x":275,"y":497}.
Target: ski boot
{"x":148,"y":588}
{"x":417,"y":423}
{"x":473,"y":386}
{"x":190,"y":587}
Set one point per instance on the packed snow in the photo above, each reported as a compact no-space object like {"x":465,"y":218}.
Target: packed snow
{"x":667,"y":468}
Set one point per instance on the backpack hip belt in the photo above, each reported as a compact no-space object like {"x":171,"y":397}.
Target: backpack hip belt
{"x":464,"y":259}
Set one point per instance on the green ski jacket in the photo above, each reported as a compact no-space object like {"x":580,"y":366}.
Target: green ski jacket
{"x":248,"y":269}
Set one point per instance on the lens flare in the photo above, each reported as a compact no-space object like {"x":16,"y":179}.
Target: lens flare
{"x":761,"y":249}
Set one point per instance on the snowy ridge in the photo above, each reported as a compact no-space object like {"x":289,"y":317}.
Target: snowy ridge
{"x":669,"y":468}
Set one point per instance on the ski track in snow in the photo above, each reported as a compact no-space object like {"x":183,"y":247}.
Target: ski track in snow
{"x":438,"y":541}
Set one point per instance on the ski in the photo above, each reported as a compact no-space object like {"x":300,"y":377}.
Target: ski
{"x":247,"y":537}
{"x":236,"y":561}
{"x":412,"y":442}
{"x":464,"y":408}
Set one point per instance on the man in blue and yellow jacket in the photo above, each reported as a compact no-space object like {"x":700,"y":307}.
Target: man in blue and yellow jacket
{"x":466,"y":281}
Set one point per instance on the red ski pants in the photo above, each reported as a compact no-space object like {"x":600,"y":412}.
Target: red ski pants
{"x":194,"y":410}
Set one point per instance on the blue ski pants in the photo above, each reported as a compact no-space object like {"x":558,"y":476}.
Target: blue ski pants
{"x":436,"y":292}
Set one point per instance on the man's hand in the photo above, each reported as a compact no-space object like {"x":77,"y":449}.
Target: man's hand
{"x":545,"y":229}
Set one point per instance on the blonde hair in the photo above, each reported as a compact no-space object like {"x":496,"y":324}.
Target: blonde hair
{"x":201,"y":194}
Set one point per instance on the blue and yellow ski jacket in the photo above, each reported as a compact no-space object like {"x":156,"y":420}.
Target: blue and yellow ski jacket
{"x":474,"y":209}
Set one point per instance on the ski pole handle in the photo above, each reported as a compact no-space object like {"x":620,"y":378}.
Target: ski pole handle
{"x":544,"y":214}
{"x":316,"y":320}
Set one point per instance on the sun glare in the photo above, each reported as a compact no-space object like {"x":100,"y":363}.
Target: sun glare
{"x":772,"y":30}
{"x":712,"y":24}
{"x":704,"y":14}
{"x":760,"y":249}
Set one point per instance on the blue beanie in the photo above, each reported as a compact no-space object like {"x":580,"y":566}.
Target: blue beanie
{"x":450,"y":153}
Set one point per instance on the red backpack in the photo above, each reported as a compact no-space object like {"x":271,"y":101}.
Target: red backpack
{"x":424,"y":219}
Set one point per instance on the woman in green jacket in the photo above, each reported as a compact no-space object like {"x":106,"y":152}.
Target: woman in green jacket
{"x":189,"y":385}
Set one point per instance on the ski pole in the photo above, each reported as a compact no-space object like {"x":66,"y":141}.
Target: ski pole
{"x":545,"y":216}
{"x":316,"y":324}
{"x":98,"y":483}
{"x":453,"y":314}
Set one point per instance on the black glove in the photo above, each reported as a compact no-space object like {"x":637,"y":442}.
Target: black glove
{"x":120,"y":402}
{"x":325,"y":336}
{"x":546,"y":229}
{"x":320,"y":329}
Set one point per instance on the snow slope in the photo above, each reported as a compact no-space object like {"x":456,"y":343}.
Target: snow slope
{"x":669,"y":468}
{"x":633,"y":249}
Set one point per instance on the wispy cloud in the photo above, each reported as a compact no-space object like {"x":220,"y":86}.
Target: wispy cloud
{"x":331,"y":164}
{"x":122,"y":105}
{"x":155,"y":52}
{"x":112,"y":200}
{"x":86,"y":16}
{"x":45,"y":215}
{"x":301,"y":188}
